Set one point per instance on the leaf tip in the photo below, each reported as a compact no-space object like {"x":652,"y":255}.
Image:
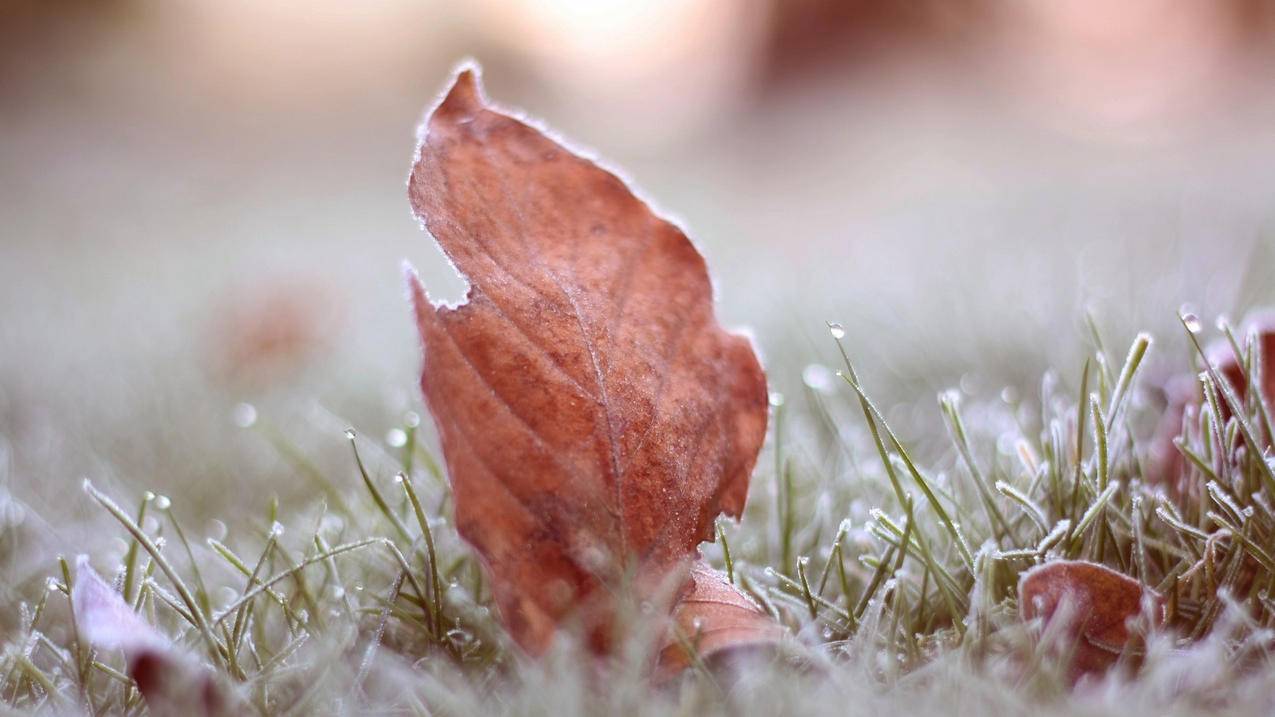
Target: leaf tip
{"x":465,"y":97}
{"x":416,"y":293}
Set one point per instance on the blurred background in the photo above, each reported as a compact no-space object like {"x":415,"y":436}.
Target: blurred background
{"x":203,"y":210}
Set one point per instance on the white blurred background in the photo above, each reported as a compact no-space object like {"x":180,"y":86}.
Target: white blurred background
{"x":202,"y":202}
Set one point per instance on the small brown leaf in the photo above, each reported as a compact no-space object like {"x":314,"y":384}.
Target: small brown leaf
{"x":594,"y":417}
{"x":1097,"y":602}
{"x":717,"y":622}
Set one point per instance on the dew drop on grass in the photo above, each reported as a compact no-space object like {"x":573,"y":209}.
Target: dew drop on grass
{"x":412,"y":419}
{"x":1192,"y":322}
{"x":331,"y":523}
{"x":837,"y":330}
{"x":349,"y":433}
{"x":776,"y":399}
{"x":396,"y":438}
{"x":276,"y":529}
{"x":818,"y":377}
{"x":244,"y":415}
{"x":162,"y":502}
{"x":217,"y":530}
{"x":226,"y":595}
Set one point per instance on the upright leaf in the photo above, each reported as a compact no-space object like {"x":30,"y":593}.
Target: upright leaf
{"x":594,"y":416}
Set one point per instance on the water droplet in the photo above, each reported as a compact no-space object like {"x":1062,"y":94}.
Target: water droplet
{"x":396,"y":438}
{"x":148,"y":496}
{"x":776,"y":399}
{"x":412,"y":419}
{"x":331,"y":523}
{"x":837,"y":330}
{"x":276,"y":529}
{"x":244,"y":415}
{"x":400,"y":478}
{"x":818,"y":378}
{"x":1009,"y":395}
{"x":1006,"y":443}
{"x":1192,"y":322}
{"x":162,"y":502}
{"x":1222,"y":322}
{"x":697,"y":624}
{"x":12,"y":515}
{"x":217,"y":530}
{"x":349,"y":433}
{"x":226,"y":595}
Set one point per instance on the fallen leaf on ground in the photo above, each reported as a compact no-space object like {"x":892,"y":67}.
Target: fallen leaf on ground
{"x":1182,"y":393}
{"x":172,"y":681}
{"x":594,"y":417}
{"x":714,"y":622}
{"x":1097,"y":604}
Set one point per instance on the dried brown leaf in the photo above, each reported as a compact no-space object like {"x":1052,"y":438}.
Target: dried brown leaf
{"x":1097,"y":603}
{"x":594,"y":417}
{"x":714,"y":622}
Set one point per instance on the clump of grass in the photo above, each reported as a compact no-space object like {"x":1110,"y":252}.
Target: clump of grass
{"x":896,"y":572}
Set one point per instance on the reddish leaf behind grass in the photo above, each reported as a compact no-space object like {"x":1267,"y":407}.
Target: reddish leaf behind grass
{"x":171,"y":681}
{"x":594,"y":417}
{"x":1183,"y":392}
{"x":1098,"y":604}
